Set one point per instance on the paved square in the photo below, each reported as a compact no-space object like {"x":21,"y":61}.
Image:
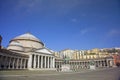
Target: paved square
{"x":106,"y":74}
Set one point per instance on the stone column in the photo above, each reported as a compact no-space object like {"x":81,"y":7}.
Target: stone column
{"x":45,"y":61}
{"x":78,"y":64}
{"x":41,"y":62}
{"x":38,"y":66}
{"x":24,"y":63}
{"x":13,"y":63}
{"x":51,"y":62}
{"x":17,"y":64}
{"x":36,"y":61}
{"x":111,"y":63}
{"x":21,"y":64}
{"x":83,"y":64}
{"x":108,"y":63}
{"x":34,"y":66}
{"x":30,"y":62}
{"x":9,"y":63}
{"x":100,"y":63}
{"x":48,"y":63}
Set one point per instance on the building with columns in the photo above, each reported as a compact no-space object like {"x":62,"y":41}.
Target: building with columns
{"x":26,"y":52}
{"x":81,"y":59}
{"x":12,"y":60}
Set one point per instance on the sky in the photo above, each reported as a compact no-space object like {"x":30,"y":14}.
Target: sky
{"x":63,"y":24}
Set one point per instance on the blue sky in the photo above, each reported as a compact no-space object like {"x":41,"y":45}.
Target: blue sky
{"x":61,"y":24}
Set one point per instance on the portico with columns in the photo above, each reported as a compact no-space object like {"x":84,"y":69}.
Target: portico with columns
{"x":41,"y":61}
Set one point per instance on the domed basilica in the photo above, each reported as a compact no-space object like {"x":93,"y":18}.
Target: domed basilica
{"x":27,"y":51}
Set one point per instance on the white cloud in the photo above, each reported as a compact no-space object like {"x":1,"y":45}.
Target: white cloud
{"x":74,"y":20}
{"x":27,"y":6}
{"x":50,"y":7}
{"x":87,"y":30}
{"x":55,"y":6}
{"x":113,"y":33}
{"x":110,"y":35}
{"x":84,"y":31}
{"x":83,"y":14}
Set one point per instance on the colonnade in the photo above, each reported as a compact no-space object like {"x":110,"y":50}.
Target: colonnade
{"x":85,"y":64}
{"x":13,"y":62}
{"x":37,"y":61}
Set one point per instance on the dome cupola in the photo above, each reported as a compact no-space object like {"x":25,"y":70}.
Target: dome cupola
{"x":15,"y":46}
{"x":27,"y":41}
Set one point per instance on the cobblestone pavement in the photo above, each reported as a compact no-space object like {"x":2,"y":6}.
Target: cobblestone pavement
{"x":101,"y":74}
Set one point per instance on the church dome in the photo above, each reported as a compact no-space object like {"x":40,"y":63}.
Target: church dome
{"x":28,"y":41}
{"x":27,"y":36}
{"x":15,"y":46}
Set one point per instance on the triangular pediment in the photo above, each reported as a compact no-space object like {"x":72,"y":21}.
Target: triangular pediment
{"x":44,"y":50}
